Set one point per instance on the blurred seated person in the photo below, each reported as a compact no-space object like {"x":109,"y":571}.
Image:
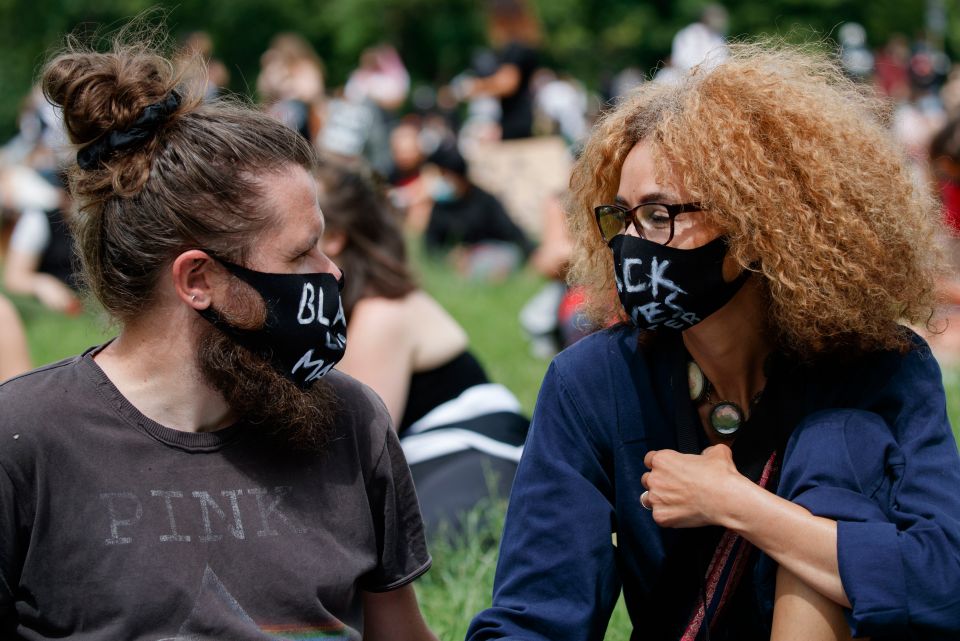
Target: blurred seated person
{"x":461,"y":434}
{"x":553,"y":318}
{"x":41,"y":261}
{"x":381,"y":78}
{"x":471,"y":220}
{"x":945,"y":166}
{"x":552,"y":256}
{"x":22,"y":188}
{"x":561,"y":104}
{"x":212,"y":75}
{"x":406,"y":153}
{"x":945,"y":170}
{"x":292,"y":85}
{"x":14,"y":356}
{"x":408,"y":191}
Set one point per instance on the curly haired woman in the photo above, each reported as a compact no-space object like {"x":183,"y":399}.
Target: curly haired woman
{"x":758,"y":449}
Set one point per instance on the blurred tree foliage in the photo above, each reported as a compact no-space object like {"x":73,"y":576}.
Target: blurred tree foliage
{"x":590,"y":39}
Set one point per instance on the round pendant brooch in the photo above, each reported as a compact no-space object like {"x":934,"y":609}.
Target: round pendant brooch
{"x":726,"y":418}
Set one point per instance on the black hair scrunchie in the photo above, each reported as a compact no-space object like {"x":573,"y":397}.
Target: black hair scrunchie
{"x":91,"y":156}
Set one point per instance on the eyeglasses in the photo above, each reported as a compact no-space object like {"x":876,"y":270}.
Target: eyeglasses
{"x":656,"y":222}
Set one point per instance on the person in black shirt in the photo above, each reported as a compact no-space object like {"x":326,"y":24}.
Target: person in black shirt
{"x":514,"y":33}
{"x":466,"y":215}
{"x":42,"y":261}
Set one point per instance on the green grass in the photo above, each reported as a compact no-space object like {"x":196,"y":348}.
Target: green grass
{"x":461,"y":580}
{"x":460,"y":583}
{"x":489,"y":312}
{"x":53,"y":336}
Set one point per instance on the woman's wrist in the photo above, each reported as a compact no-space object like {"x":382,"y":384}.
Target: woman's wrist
{"x":737,"y":502}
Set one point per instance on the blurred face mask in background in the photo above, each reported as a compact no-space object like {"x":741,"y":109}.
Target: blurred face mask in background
{"x":442,"y":190}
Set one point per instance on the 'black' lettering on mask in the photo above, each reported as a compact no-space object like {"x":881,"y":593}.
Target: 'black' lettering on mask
{"x":663,"y":287}
{"x":305,"y":333}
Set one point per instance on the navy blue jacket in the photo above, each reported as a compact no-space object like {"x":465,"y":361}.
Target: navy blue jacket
{"x":866,"y":441}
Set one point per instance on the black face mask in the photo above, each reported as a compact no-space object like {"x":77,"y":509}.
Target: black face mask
{"x":305,"y":333}
{"x":664,"y":287}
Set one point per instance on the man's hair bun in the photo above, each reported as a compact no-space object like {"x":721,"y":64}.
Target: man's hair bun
{"x":103,"y":92}
{"x":100,"y":92}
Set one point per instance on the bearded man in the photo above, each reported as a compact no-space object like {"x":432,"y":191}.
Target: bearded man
{"x":206,"y":474}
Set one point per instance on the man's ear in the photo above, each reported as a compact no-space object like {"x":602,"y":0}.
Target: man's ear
{"x":195,"y":276}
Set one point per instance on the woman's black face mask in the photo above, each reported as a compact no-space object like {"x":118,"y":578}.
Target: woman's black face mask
{"x":664,"y":287}
{"x":305,"y":333}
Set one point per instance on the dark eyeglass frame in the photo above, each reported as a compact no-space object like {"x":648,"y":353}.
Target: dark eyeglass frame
{"x":630,"y":215}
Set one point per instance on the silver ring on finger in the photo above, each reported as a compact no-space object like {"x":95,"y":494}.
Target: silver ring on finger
{"x":644,"y":498}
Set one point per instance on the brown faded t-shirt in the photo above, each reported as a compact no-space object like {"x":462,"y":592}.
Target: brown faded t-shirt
{"x":113,"y":526}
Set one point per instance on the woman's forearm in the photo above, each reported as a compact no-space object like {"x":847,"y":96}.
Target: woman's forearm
{"x":693,"y":490}
{"x":804,"y":544}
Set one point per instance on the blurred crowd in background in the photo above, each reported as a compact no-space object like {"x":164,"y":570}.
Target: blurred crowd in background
{"x":475,"y":168}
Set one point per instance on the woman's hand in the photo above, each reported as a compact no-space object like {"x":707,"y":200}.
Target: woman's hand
{"x":694,"y":490}
{"x":691,"y":490}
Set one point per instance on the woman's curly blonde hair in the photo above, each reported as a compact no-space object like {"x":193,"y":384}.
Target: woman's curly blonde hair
{"x":794,"y":162}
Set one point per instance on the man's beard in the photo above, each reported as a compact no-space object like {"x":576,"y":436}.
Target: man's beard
{"x":259,"y":394}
